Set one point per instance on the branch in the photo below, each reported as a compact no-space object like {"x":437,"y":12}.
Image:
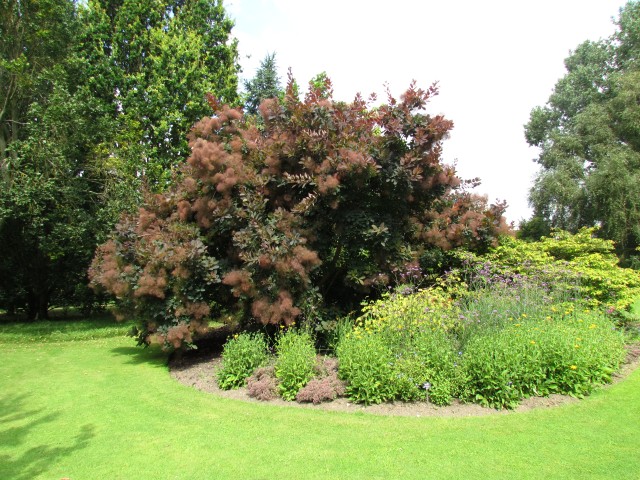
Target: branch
{"x":9,"y":95}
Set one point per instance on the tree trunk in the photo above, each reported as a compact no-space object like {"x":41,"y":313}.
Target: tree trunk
{"x":38,"y":306}
{"x":38,"y":291}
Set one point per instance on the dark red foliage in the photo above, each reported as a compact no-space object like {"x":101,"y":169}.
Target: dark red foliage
{"x":319,"y":201}
{"x":321,"y":390}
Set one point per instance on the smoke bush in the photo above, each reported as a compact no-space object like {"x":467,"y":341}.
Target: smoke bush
{"x":316,"y":204}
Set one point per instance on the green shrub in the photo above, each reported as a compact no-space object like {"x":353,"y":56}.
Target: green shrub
{"x":442,"y":388}
{"x":400,"y":345}
{"x":402,"y":313}
{"x":567,"y":352}
{"x":593,"y":349}
{"x":441,"y":360}
{"x":514,"y":339}
{"x":581,"y":265}
{"x":296,"y":358}
{"x":409,"y":374}
{"x":499,"y":368}
{"x":329,"y":333}
{"x":365,"y":362}
{"x":241,"y":355}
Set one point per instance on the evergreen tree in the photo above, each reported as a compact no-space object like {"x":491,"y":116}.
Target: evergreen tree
{"x":265,"y":84}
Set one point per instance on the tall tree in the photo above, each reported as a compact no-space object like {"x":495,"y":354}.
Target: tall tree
{"x":165,"y":58}
{"x":96,"y":98}
{"x":34,"y":35}
{"x":50,"y":121}
{"x":589,"y":139}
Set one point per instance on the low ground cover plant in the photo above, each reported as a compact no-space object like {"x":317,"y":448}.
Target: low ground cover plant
{"x":326,"y":386}
{"x":262,"y":385}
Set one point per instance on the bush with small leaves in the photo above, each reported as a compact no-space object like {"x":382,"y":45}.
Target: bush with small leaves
{"x":408,"y":375}
{"x":326,"y":386}
{"x":442,"y":388}
{"x":263,"y":385}
{"x":322,"y":389}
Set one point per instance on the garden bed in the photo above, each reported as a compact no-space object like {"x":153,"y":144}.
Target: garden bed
{"x":199,"y":372}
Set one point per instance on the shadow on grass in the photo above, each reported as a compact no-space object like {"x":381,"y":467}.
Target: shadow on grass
{"x":139,"y":355}
{"x":7,"y":413}
{"x":14,"y":432}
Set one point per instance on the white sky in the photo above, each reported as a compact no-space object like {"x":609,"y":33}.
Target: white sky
{"x":494,"y":60}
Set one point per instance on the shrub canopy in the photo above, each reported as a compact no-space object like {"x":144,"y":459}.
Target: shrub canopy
{"x":316,"y":203}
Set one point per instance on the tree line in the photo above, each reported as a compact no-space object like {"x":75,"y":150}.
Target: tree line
{"x":284,"y":207}
{"x":588,"y":134}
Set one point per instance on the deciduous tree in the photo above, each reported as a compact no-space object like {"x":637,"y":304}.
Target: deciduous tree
{"x":96,"y":100}
{"x":588,"y":137}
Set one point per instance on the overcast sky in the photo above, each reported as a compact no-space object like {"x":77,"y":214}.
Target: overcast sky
{"x":494,"y":61}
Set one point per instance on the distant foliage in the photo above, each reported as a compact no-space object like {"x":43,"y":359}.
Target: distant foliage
{"x":319,"y":206}
{"x":265,"y":84}
{"x":589,"y":142}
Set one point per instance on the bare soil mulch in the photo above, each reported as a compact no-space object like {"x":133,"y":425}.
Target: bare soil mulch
{"x":198,"y":371}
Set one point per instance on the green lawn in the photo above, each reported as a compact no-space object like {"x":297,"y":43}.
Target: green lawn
{"x":104,"y":409}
